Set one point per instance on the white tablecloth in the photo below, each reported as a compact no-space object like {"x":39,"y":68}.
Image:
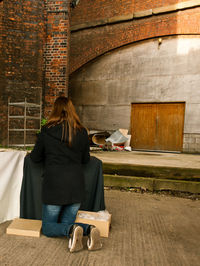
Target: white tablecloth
{"x":11,"y":174}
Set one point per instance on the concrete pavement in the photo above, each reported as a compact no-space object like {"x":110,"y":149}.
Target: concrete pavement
{"x":147,"y":230}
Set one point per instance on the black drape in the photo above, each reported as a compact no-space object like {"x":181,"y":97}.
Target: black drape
{"x":30,"y":197}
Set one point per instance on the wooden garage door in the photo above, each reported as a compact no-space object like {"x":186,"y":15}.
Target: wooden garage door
{"x":157,"y":126}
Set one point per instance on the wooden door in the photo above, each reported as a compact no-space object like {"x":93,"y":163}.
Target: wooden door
{"x":157,"y":126}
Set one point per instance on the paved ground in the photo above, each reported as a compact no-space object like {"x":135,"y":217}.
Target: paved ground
{"x":150,"y":158}
{"x":147,"y":229}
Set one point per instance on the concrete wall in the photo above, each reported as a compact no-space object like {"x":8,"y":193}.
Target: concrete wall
{"x":104,"y":89}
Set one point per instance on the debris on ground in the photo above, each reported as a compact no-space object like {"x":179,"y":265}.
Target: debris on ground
{"x":168,"y":193}
{"x":117,"y":141}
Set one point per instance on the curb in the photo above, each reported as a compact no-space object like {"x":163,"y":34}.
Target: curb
{"x":151,"y":184}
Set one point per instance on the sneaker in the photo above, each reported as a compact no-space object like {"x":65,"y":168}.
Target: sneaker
{"x":94,"y":242}
{"x":75,"y":241}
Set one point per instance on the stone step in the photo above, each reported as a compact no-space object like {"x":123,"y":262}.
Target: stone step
{"x":149,"y":172}
{"x":151,"y":183}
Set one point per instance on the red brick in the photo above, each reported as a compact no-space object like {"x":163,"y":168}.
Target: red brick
{"x":21,"y":54}
{"x":56,"y":52}
{"x":87,"y":11}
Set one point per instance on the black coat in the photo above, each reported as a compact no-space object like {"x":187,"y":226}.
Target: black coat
{"x":63,"y":181}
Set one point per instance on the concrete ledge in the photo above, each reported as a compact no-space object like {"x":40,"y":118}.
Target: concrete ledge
{"x":176,"y":7}
{"x":102,"y":22}
{"x":128,"y":181}
{"x":151,"y":184}
{"x":141,"y":14}
{"x":120,"y":18}
{"x":137,"y":15}
{"x":89,"y":25}
{"x":156,"y":172}
{"x":174,"y":185}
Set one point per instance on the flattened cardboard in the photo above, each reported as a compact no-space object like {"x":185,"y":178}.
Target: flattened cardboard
{"x":25,"y":227}
{"x":102,"y":225}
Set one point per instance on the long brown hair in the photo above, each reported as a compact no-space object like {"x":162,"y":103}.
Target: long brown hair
{"x":64,"y":112}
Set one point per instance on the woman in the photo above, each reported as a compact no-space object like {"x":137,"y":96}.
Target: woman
{"x":63,"y":146}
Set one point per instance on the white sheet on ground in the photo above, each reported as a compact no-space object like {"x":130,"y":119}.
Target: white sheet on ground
{"x":11,"y":173}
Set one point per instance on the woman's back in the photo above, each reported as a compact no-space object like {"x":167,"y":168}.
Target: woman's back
{"x":63,"y":174}
{"x":59,"y":152}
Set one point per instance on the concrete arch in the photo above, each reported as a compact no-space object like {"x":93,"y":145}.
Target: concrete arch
{"x":89,"y":43}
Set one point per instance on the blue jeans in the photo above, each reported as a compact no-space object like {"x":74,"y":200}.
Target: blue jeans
{"x":57,"y":220}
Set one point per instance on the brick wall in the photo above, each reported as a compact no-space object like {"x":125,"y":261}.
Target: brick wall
{"x":90,"y":10}
{"x":56,"y":50}
{"x":21,"y":65}
{"x":89,"y":43}
{"x":1,"y":16}
{"x":34,"y":47}
{"x":140,"y":5}
{"x":3,"y":116}
{"x":1,"y":37}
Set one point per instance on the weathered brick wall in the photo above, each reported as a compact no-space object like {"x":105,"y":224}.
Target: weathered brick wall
{"x":90,"y":43}
{"x":1,"y":37}
{"x":22,"y":54}
{"x":3,"y":116}
{"x":56,"y":51}
{"x":140,"y":5}
{"x":90,"y":11}
{"x":87,"y":11}
{"x":23,"y":35}
{"x":1,"y":16}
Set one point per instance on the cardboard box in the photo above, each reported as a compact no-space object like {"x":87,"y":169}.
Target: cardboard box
{"x":95,"y":218}
{"x":25,"y":227}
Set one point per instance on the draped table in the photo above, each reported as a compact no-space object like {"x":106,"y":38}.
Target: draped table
{"x":30,"y":198}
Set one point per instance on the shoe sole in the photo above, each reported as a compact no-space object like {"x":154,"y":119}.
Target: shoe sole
{"x":94,"y":242}
{"x":75,"y":243}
